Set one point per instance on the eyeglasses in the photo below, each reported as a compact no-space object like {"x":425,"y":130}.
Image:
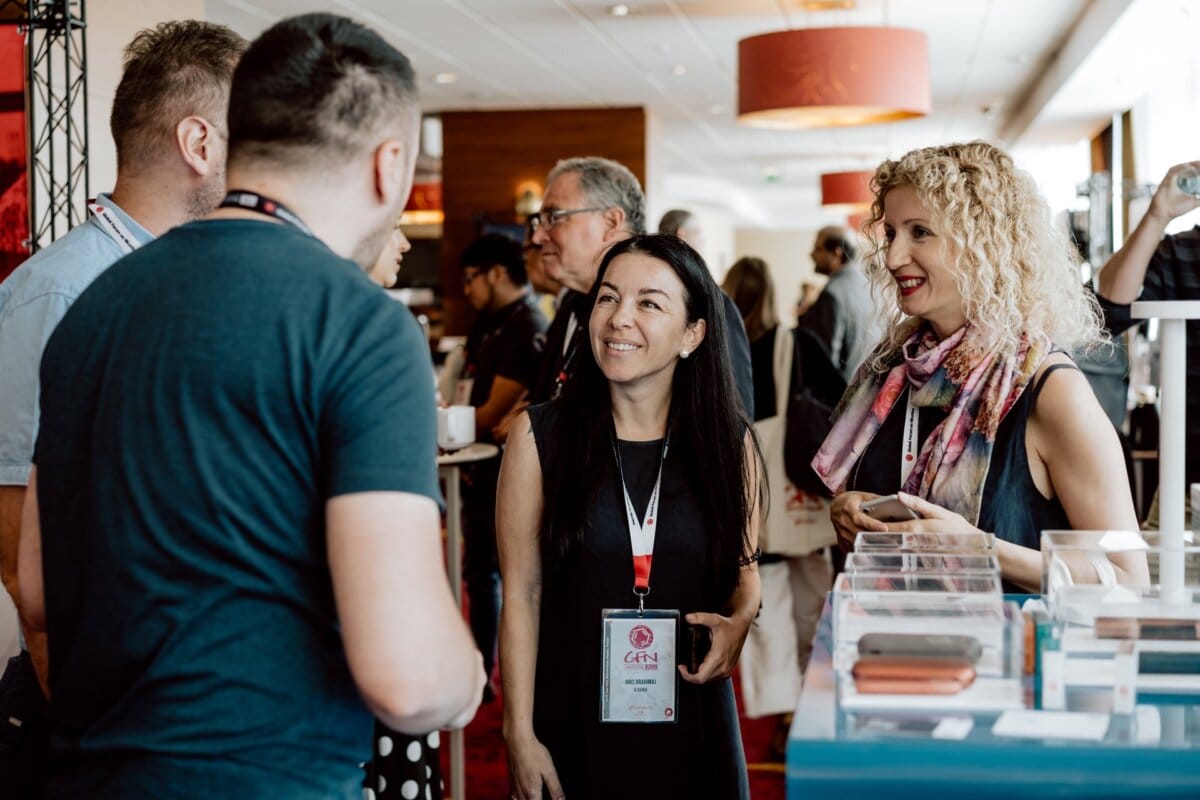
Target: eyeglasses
{"x":549,"y":219}
{"x":469,"y":276}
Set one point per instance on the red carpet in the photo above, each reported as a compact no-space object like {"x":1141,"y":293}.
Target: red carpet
{"x":487,"y":765}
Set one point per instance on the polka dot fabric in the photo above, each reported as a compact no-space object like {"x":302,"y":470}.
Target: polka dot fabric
{"x":403,"y":766}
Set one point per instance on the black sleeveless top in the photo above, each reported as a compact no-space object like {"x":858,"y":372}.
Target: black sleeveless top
{"x":1013,"y":508}
{"x":701,"y":754}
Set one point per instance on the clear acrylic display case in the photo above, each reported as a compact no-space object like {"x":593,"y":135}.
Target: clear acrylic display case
{"x":904,"y":542}
{"x":942,"y":603}
{"x":879,"y":561}
{"x":1086,"y":574}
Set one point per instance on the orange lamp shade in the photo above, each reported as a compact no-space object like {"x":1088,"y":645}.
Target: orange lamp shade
{"x":830,"y":77}
{"x":847,"y":191}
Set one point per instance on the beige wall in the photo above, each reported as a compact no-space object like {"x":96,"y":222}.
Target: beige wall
{"x":787,"y":254}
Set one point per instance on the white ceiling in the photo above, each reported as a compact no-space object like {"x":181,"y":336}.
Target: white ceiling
{"x":996,"y":68}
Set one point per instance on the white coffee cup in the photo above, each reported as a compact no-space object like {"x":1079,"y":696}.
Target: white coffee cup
{"x":456,"y":427}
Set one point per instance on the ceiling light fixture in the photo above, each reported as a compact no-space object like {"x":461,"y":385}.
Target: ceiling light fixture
{"x":830,"y":77}
{"x":679,"y":69}
{"x":619,"y":10}
{"x":848,"y":192}
{"x":826,"y":5}
{"x":445,"y":77}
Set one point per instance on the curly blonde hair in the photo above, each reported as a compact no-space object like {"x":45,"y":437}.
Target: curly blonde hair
{"x":1017,"y":273}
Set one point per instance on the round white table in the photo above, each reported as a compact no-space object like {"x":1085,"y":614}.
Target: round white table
{"x":448,"y":470}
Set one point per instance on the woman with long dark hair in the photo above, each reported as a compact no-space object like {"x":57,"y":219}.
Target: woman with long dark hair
{"x":645,"y":461}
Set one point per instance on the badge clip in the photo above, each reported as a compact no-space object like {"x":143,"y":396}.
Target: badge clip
{"x":641,"y":596}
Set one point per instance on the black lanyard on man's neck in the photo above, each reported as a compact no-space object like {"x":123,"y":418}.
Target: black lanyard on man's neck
{"x":252,"y":201}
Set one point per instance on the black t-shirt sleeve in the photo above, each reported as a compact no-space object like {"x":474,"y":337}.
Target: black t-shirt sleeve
{"x":379,"y":420}
{"x":1157,"y":285}
{"x":520,"y":355}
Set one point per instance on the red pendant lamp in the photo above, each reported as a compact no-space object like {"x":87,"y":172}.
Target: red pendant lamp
{"x":847,"y":191}
{"x":830,"y":77}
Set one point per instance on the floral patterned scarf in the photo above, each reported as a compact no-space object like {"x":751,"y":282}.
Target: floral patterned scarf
{"x":964,"y":375}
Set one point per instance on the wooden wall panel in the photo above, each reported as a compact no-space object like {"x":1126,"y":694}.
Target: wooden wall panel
{"x":486,"y":155}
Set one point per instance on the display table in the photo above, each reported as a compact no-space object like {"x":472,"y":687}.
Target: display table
{"x":448,"y":470}
{"x":834,"y":753}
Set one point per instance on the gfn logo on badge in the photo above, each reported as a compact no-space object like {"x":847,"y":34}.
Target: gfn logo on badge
{"x":641,"y":637}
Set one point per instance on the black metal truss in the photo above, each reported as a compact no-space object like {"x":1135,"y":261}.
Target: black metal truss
{"x":57,"y":131}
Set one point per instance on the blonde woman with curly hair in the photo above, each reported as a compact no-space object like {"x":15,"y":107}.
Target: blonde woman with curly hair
{"x":971,"y":408}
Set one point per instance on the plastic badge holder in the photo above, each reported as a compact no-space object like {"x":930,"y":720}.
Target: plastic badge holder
{"x":872,"y":561}
{"x":1096,"y":615}
{"x":905,"y":542}
{"x":939,"y":603}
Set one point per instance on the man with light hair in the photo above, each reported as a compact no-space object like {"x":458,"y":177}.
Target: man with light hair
{"x":240,"y":547}
{"x":591,"y":203}
{"x":168,"y":124}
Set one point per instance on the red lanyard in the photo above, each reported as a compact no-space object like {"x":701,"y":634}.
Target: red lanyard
{"x":641,"y":533}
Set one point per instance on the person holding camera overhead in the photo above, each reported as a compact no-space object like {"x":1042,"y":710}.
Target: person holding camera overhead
{"x":627,"y":521}
{"x":970,"y":407}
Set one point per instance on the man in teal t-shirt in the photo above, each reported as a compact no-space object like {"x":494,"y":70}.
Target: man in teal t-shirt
{"x":235,"y":475}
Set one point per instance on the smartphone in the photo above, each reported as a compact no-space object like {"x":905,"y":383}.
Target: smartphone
{"x":888,"y":509}
{"x":905,"y":675}
{"x":920,"y":645}
{"x":699,"y":643}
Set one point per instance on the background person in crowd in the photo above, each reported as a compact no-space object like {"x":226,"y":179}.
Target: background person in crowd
{"x":651,"y":409}
{"x":404,"y":762}
{"x":1008,"y":435}
{"x":843,"y":316}
{"x":170,"y":135}
{"x":548,"y":290}
{"x":1151,"y":266}
{"x":503,"y":352}
{"x":239,"y":544}
{"x":590,"y":203}
{"x":682,"y":223}
{"x":794,"y":569}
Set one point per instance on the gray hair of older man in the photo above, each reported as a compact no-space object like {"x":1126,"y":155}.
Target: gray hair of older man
{"x":607,"y":184}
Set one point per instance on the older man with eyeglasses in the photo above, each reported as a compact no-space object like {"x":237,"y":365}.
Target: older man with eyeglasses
{"x":590,"y":204}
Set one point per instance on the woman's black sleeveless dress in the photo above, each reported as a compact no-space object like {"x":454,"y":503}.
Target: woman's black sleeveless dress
{"x":1012,"y":506}
{"x":701,"y":754}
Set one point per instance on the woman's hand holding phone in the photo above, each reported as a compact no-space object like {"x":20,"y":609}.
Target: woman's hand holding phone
{"x":848,"y":518}
{"x":932,"y":518}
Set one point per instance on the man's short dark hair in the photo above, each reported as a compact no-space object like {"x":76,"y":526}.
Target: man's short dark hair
{"x":835,"y":237}
{"x":673,"y":221}
{"x":171,"y":71}
{"x":492,"y":249}
{"x":317,"y":87}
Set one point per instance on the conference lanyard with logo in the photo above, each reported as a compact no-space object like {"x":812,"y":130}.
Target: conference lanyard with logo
{"x":908,"y":456}
{"x":570,"y":349}
{"x":111,"y":224}
{"x":252,"y":201}
{"x":639,"y":682}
